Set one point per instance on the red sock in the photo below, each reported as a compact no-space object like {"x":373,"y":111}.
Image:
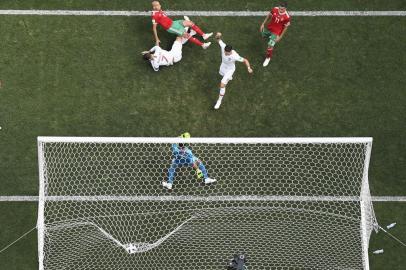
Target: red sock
{"x":196,"y":41}
{"x":197,"y":30}
{"x":269,"y":52}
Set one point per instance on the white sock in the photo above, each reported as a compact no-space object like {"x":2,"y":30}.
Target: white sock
{"x":222,"y":93}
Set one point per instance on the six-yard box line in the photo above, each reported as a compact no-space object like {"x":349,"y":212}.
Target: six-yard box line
{"x":38,"y":12}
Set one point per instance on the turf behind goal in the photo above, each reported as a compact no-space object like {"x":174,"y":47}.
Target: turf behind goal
{"x":287,"y":203}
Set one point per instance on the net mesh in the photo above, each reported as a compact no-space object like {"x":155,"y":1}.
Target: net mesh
{"x":285,"y":205}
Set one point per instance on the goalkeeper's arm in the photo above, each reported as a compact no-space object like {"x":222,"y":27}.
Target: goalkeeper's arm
{"x":196,"y":164}
{"x":175,"y":149}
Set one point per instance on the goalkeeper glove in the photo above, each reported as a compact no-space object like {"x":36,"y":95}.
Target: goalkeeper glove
{"x":199,"y":174}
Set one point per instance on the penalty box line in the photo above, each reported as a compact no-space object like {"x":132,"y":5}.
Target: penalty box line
{"x":38,"y":12}
{"x":199,"y":198}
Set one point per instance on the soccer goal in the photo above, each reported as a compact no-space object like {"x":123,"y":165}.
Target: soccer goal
{"x":286,"y":203}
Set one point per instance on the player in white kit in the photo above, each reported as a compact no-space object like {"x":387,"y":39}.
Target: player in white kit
{"x":227,"y":68}
{"x":160,"y":57}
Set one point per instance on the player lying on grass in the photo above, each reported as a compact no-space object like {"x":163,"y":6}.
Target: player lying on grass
{"x":160,"y":57}
{"x":227,"y":68}
{"x":183,"y":156}
{"x":279,"y":20}
{"x":176,"y":27}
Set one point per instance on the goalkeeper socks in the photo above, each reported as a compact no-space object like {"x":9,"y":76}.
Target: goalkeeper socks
{"x":269,"y":52}
{"x":196,"y":41}
{"x":197,"y":30}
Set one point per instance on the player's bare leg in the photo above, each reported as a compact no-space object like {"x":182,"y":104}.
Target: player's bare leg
{"x":222,"y":92}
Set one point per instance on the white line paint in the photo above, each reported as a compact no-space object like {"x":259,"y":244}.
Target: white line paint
{"x":194,"y":13}
{"x":389,"y":199}
{"x":18,"y":198}
{"x":198,"y":198}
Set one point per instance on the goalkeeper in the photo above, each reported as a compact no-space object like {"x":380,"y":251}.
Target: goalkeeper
{"x":183,"y":156}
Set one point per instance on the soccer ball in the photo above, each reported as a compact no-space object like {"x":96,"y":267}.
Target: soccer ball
{"x":185,"y":135}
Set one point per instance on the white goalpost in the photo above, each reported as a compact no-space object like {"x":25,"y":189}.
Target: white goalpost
{"x":286,"y":203}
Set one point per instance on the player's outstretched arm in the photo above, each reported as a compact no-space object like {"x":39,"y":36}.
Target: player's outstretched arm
{"x":152,"y":50}
{"x":268,"y":17}
{"x":154,"y":30}
{"x":248,"y":65}
{"x":219,"y":40}
{"x":196,"y":164}
{"x":218,"y":36}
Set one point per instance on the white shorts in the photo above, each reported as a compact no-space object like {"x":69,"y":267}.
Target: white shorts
{"x":227,"y":75}
{"x":176,"y":51}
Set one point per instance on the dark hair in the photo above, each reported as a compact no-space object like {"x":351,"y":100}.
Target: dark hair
{"x":228,"y":48}
{"x":283,"y":4}
{"x":147,"y":56}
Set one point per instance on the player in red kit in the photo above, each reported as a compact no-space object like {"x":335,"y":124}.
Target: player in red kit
{"x":176,"y":27}
{"x":276,"y":28}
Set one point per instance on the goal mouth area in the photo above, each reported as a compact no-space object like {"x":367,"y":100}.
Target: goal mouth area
{"x":249,"y":210}
{"x":304,"y":202}
{"x":283,"y":231}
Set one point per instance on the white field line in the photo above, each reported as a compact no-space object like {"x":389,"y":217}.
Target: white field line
{"x":194,"y":13}
{"x":18,"y":198}
{"x":199,"y":198}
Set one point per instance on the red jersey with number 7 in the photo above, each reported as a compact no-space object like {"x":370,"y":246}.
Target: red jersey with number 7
{"x":160,"y":17}
{"x":278,"y":21}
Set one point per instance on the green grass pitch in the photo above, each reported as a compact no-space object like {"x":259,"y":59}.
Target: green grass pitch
{"x":83,"y":76}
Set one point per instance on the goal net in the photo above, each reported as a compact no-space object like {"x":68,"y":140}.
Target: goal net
{"x":286,"y":203}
